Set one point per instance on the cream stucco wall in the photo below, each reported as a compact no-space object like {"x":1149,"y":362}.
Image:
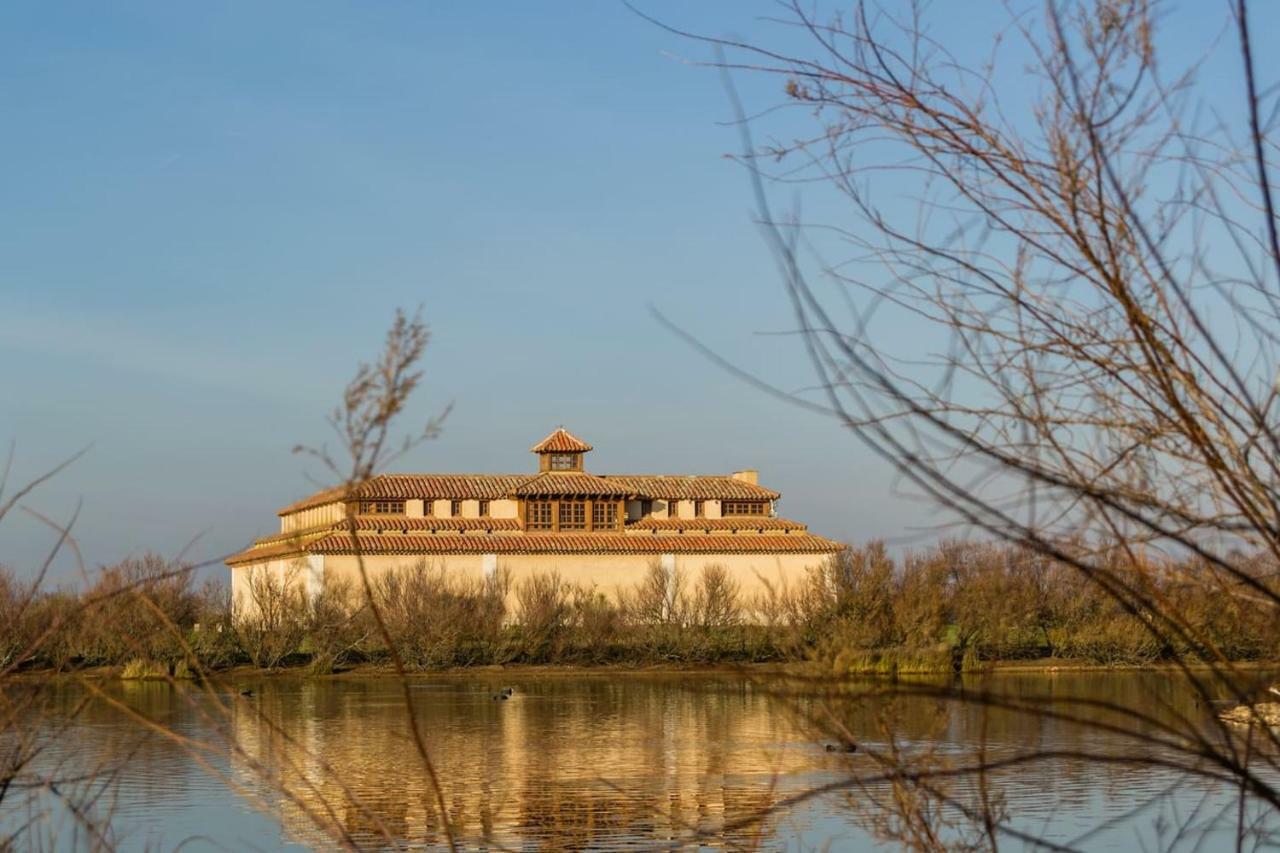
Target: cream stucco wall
{"x":329,"y":513}
{"x":610,"y":573}
{"x":504,"y":509}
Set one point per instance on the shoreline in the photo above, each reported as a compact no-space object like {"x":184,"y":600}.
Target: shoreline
{"x":380,"y":671}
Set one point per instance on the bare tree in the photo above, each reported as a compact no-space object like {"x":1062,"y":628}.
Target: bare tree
{"x":1091,"y":252}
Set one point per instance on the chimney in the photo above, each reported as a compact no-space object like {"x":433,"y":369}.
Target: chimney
{"x":748,"y":475}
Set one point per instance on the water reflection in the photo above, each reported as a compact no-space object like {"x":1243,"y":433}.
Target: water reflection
{"x":565,"y":763}
{"x":612,"y":761}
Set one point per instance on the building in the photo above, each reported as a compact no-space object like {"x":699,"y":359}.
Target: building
{"x":601,"y":530}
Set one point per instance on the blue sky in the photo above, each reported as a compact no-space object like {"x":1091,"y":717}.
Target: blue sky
{"x":211,"y":211}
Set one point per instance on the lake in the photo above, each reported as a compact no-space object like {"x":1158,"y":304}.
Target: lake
{"x":607,"y":761}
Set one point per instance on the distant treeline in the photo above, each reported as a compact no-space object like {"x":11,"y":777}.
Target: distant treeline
{"x":953,"y":606}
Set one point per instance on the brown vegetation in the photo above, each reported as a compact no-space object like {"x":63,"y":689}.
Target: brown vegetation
{"x":953,"y":606}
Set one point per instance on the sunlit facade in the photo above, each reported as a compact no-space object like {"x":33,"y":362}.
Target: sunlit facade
{"x":598,"y":530}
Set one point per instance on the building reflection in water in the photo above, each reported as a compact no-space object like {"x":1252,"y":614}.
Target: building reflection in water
{"x":608,"y":760}
{"x":563,"y":763}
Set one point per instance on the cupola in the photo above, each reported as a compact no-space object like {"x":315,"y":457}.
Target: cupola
{"x":560,"y":451}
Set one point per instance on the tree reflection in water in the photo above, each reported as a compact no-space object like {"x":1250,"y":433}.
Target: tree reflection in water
{"x":616,"y":760}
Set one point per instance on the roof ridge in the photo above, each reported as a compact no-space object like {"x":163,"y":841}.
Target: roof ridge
{"x":676,"y":476}
{"x":528,"y":474}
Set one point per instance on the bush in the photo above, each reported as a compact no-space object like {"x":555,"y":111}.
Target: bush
{"x":138,"y":608}
{"x":213,"y":638}
{"x":17,"y":623}
{"x":716,"y":603}
{"x":544,"y":611}
{"x":269,"y":621}
{"x":437,"y":620}
{"x":336,"y":625}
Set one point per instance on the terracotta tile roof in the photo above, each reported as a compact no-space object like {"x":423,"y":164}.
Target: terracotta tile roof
{"x":492,"y":486}
{"x":697,"y":525}
{"x":394,"y":523}
{"x":298,"y":542}
{"x":292,"y":535}
{"x":690,"y":487}
{"x":557,"y":483}
{"x":561,"y":441}
{"x":418,"y":486}
{"x":318,"y":499}
{"x":446,"y":486}
{"x":574,"y":544}
{"x":259,"y":551}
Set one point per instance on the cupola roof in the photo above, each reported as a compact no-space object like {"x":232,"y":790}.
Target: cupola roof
{"x":561,"y":441}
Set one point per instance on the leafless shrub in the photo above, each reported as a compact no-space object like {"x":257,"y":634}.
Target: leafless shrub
{"x":141,"y":607}
{"x":716,"y":599}
{"x":659,"y":598}
{"x":214,"y":643}
{"x":269,"y":620}
{"x":335,"y":625}
{"x":544,"y":610}
{"x":15,"y":615}
{"x":598,"y":622}
{"x":435,"y":619}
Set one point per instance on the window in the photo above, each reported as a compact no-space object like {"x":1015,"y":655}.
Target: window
{"x":742,"y":508}
{"x":484,"y":509}
{"x":455,"y":508}
{"x":646,"y":508}
{"x":564,"y":462}
{"x":538,"y":515}
{"x":573,"y":515}
{"x":382,"y":507}
{"x":428,"y":507}
{"x":604,"y":515}
{"x":673,"y":508}
{"x":699,"y":509}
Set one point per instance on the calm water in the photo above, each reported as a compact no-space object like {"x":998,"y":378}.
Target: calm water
{"x":574,"y":762}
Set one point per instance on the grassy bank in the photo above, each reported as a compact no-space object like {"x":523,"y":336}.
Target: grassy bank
{"x":952,"y":608}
